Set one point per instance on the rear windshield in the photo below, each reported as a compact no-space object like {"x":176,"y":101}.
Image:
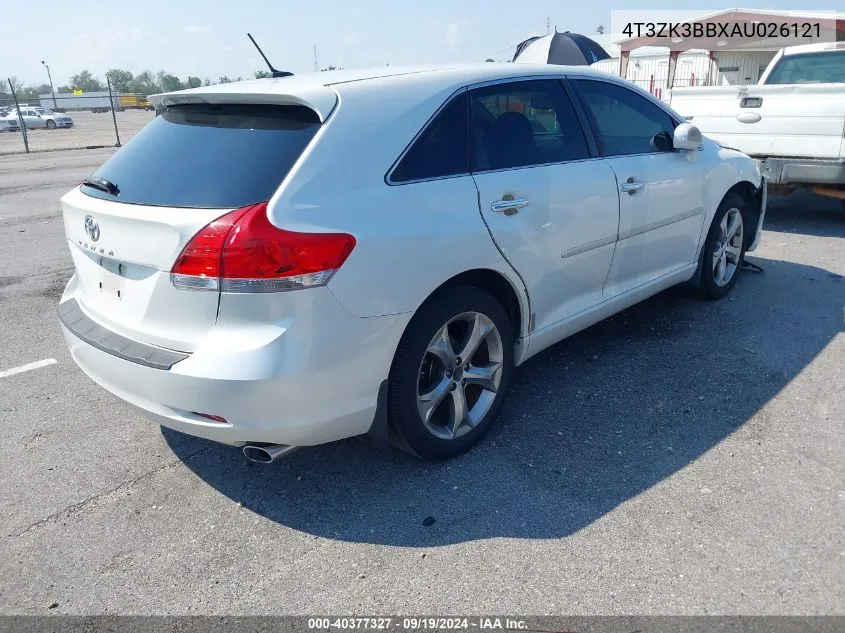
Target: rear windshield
{"x":809,"y":68}
{"x":209,"y":156}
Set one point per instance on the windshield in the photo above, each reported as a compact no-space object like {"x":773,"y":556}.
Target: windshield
{"x":809,"y":68}
{"x":209,"y":156}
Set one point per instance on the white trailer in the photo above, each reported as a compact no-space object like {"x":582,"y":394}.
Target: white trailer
{"x":93,"y":101}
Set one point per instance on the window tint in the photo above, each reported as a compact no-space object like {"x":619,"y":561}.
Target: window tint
{"x":812,"y":68}
{"x":524,"y":123}
{"x":624,"y":122}
{"x":442,"y":149}
{"x":209,"y":156}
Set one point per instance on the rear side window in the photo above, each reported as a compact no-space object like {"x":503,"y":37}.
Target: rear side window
{"x":209,"y":156}
{"x":810,"y":68}
{"x":442,"y":149}
{"x":524,"y":123}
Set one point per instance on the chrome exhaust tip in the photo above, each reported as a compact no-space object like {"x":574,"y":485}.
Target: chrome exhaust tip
{"x":266,"y":453}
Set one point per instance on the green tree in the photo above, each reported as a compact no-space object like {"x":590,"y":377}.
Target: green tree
{"x":262,"y":74}
{"x":28,"y":93}
{"x":145,"y":83}
{"x":86,"y":82}
{"x":489,"y":59}
{"x":43,"y":89}
{"x":17,"y":84}
{"x":121,"y":80}
{"x":193,"y":82}
{"x":167,"y":82}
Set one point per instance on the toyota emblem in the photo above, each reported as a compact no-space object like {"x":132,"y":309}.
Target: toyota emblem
{"x":92,"y":228}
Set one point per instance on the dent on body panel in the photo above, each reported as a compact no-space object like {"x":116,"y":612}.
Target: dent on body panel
{"x":411,"y":239}
{"x":729,"y":168}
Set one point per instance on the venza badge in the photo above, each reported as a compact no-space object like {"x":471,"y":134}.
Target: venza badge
{"x":92,"y":228}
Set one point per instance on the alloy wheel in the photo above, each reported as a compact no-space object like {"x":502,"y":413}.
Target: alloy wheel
{"x":728,"y":247}
{"x":459,"y":375}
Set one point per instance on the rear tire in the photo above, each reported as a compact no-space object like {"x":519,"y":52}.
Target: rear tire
{"x":450,"y":373}
{"x":724,"y":249}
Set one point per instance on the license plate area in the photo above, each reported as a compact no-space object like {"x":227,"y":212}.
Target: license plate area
{"x":112,"y":282}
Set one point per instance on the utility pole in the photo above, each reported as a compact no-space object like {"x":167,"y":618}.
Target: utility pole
{"x":548,"y":25}
{"x":52,"y":90}
{"x":316,"y":63}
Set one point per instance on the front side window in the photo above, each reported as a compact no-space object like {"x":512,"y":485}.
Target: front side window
{"x":518,"y":124}
{"x":442,"y":150}
{"x":810,"y":68}
{"x":624,"y":122}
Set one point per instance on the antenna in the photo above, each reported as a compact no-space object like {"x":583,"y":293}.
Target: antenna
{"x":316,"y":63}
{"x":548,"y":25}
{"x":273,"y":71}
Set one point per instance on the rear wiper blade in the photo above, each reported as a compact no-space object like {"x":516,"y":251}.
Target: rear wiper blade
{"x":102,"y":184}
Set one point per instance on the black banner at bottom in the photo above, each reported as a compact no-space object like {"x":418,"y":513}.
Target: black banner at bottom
{"x":422,"y":624}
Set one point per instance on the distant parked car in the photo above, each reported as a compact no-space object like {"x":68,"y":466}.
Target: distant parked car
{"x":38,"y":117}
{"x":9,"y":124}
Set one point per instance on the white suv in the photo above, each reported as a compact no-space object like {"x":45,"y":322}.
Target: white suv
{"x":286,"y":262}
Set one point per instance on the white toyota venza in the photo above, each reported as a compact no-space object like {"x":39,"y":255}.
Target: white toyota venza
{"x":285,"y":262}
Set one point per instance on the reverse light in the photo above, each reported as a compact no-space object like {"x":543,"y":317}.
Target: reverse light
{"x":243,"y":252}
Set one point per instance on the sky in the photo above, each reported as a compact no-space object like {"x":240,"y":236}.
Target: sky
{"x":208,"y":38}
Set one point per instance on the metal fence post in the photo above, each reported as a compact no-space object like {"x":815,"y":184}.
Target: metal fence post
{"x":20,"y":117}
{"x":113,"y":115}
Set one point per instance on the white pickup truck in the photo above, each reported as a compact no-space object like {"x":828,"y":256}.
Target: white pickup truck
{"x":792,"y":121}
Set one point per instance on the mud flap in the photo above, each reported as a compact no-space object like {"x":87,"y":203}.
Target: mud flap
{"x":378,"y":433}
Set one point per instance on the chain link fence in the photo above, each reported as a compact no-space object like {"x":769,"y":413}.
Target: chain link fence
{"x":71,"y":121}
{"x":658,"y":88}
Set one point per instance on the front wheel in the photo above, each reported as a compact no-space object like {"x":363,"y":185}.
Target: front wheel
{"x":450,"y":373}
{"x":724,"y":248}
{"x":51,"y":125}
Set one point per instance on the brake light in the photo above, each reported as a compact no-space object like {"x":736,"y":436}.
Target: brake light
{"x":243,"y":252}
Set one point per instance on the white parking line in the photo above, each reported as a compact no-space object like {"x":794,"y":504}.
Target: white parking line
{"x":19,"y":370}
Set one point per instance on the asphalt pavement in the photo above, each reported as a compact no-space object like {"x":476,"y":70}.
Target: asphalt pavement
{"x":683,"y":457}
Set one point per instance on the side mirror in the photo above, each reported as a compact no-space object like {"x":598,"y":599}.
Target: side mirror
{"x":687,"y":137}
{"x":662,"y":142}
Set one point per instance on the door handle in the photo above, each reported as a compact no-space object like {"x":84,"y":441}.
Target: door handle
{"x":631,"y":186}
{"x":751,"y":102}
{"x":508,"y":205}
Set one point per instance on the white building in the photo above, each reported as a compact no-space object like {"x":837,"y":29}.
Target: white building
{"x":656,"y":63}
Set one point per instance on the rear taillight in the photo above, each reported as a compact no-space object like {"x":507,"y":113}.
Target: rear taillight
{"x":243,"y":252}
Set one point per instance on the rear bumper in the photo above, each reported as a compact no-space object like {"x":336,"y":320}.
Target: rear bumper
{"x":316,"y":382}
{"x":784,"y":171}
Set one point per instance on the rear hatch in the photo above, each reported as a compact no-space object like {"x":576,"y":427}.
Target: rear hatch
{"x":191,"y":165}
